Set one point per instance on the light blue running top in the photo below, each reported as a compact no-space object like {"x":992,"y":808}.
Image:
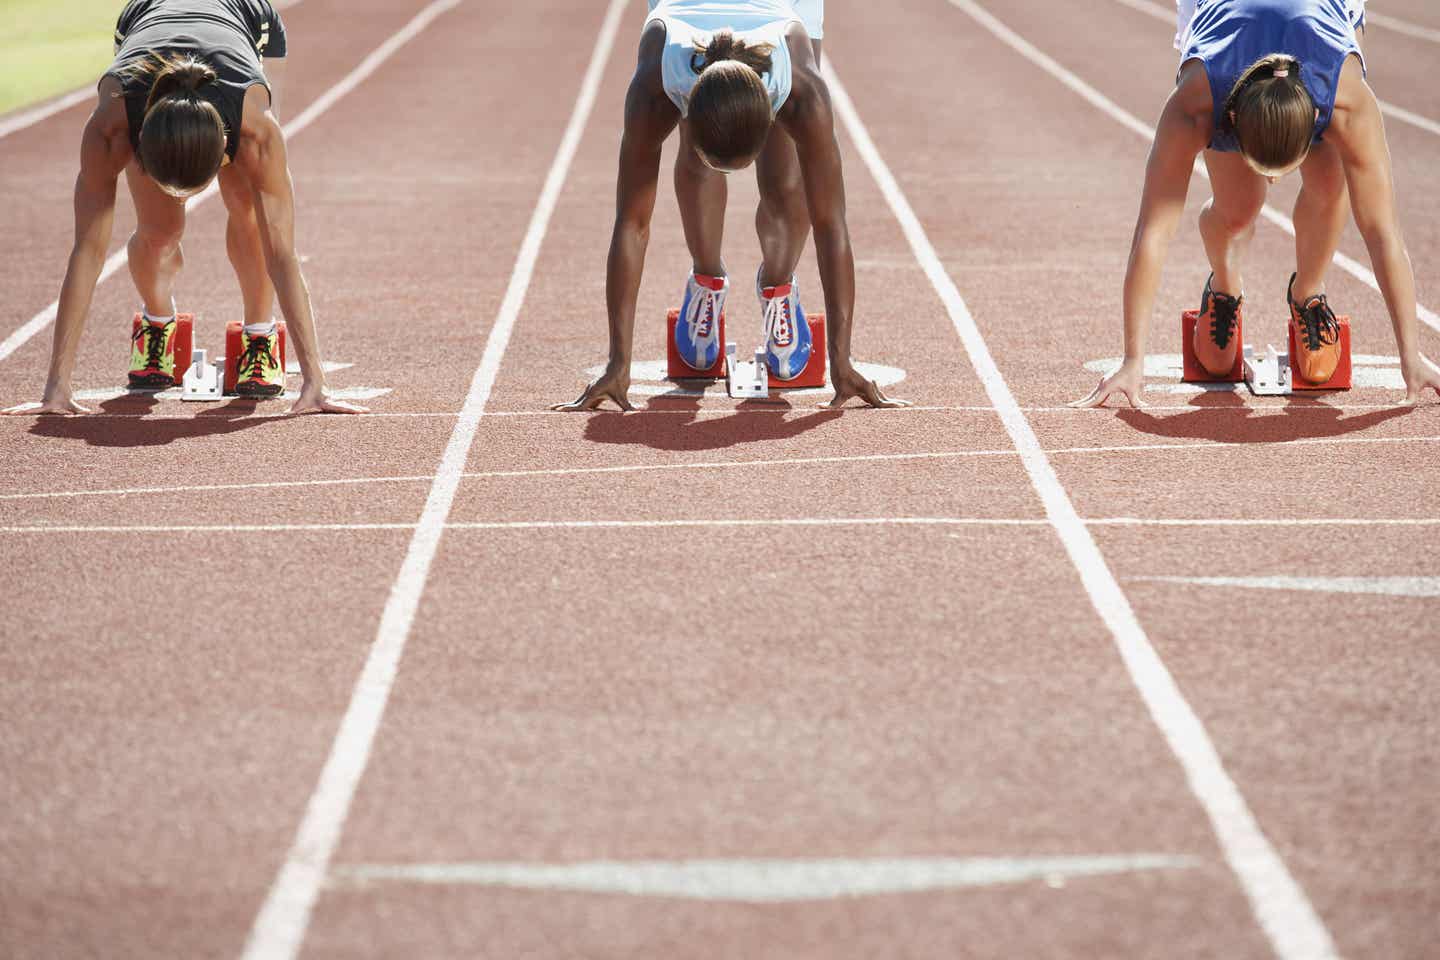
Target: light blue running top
{"x":1229,"y":35}
{"x":754,"y":21}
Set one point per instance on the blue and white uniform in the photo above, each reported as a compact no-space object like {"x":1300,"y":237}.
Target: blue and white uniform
{"x":754,"y":21}
{"x":1227,"y":36}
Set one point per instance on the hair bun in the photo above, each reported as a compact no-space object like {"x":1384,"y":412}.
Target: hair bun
{"x":724,"y":45}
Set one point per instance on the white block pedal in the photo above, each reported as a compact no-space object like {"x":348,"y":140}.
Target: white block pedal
{"x":746,"y":379}
{"x":203,"y":380}
{"x":1267,"y":376}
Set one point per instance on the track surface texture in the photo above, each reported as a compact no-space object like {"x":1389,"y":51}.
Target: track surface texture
{"x":987,"y":677}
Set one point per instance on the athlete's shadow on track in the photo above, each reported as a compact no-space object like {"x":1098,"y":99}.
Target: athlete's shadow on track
{"x":679,"y":426}
{"x":127,"y":425}
{"x":1226,"y":418}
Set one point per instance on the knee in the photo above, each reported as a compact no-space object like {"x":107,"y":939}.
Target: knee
{"x":1324,"y":179}
{"x":1231,"y":219}
{"x":158,"y":244}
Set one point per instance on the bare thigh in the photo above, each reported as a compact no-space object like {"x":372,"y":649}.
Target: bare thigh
{"x":159,"y":217}
{"x":1239,"y":192}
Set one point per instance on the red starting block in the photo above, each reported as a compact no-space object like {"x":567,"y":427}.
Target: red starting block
{"x":1340,"y":379}
{"x":235,"y":345}
{"x":677,"y":369}
{"x":812,"y":376}
{"x":1194,"y":372}
{"x":180,"y":345}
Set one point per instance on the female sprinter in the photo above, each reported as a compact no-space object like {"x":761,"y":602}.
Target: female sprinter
{"x":185,"y":101}
{"x":1267,"y":87}
{"x":741,"y":79}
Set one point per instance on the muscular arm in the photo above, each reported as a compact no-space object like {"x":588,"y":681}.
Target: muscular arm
{"x":104,"y":151}
{"x":262,"y":158}
{"x":649,"y":119}
{"x":810,"y":121}
{"x":1182,"y":132}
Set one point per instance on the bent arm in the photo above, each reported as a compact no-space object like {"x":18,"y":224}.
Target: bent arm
{"x":1178,"y":139}
{"x":1360,"y":137}
{"x":649,"y":119}
{"x":100,"y":165}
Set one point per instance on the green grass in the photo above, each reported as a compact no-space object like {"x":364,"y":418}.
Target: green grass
{"x":48,"y":47}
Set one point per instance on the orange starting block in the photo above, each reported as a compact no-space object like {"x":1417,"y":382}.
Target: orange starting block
{"x":812,"y":376}
{"x":1271,"y":375}
{"x":234,"y":345}
{"x":677,"y":369}
{"x":180,"y":345}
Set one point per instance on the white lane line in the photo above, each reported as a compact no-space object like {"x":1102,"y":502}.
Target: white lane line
{"x":1279,"y":904}
{"x":1264,"y":522}
{"x":15,"y":122}
{"x":1401,"y":26}
{"x":1167,"y":14}
{"x":1128,"y":120}
{"x":697,"y":466}
{"x":763,"y":881}
{"x":1379,"y":586}
{"x":779,"y":522}
{"x":311,"y":113}
{"x":28,"y":118}
{"x":280,"y":928}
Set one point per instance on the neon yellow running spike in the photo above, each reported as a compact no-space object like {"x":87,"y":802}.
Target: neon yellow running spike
{"x":152,"y":354}
{"x":259,"y":373}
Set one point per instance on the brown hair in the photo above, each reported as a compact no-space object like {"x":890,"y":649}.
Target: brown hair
{"x":730,"y":107}
{"x":182,"y":140}
{"x":1272,"y":117}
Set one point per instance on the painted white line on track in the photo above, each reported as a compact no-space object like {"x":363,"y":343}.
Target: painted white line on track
{"x":1378,"y":586}
{"x":16,"y":122}
{"x":306,"y":117}
{"x":779,"y":522}
{"x":280,"y":928}
{"x":763,"y":881}
{"x":1128,"y":120}
{"x":1279,"y":904}
{"x":1167,"y":14}
{"x":1401,"y":26}
{"x":703,"y":465}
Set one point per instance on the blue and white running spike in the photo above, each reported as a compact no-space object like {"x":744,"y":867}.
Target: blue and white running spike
{"x":697,"y":333}
{"x":787,"y":335}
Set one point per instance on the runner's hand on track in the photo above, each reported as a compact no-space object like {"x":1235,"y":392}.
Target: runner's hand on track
{"x":1128,"y":380}
{"x":613,"y":385}
{"x":316,"y":401}
{"x":60,"y":406}
{"x":1420,"y":375}
{"x":850,"y":383}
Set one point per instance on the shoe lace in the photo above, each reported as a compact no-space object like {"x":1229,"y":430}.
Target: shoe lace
{"x":1319,"y":323}
{"x":154,"y":343}
{"x":778,"y":322}
{"x":702,"y":313}
{"x":1225,"y":312}
{"x":256,"y":357}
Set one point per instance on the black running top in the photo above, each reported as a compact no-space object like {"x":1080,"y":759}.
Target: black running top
{"x":231,"y":36}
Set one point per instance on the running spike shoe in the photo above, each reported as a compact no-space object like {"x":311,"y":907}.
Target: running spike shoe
{"x":1215,"y":342}
{"x":1317,"y":336}
{"x":697,"y":334}
{"x":787,"y":335}
{"x":259,"y":372}
{"x":152,"y":354}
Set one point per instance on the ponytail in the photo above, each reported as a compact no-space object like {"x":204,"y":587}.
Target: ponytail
{"x":724,"y":45}
{"x":729,"y":109}
{"x":182,"y":139}
{"x":1271,"y":113}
